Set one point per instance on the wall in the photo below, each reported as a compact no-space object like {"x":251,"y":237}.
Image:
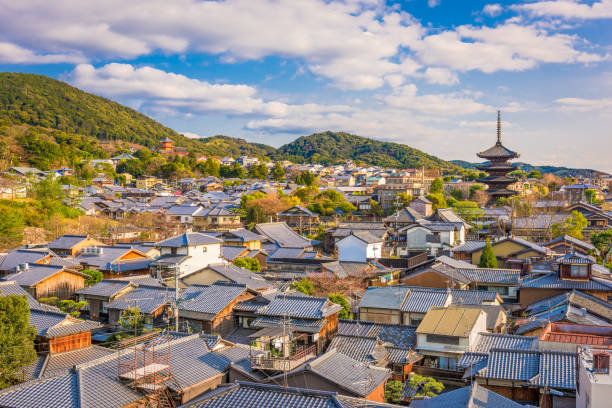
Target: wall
{"x":369,"y":314}
{"x":431,"y":279}
{"x":505,"y":249}
{"x":62,"y":285}
{"x":352,"y":249}
{"x":68,"y":343}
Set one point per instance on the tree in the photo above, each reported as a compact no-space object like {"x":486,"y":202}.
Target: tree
{"x":572,"y":226}
{"x":393,"y":391}
{"x":457,"y":194}
{"x":304,"y":285}
{"x":437,"y":201}
{"x":401,"y":200}
{"x":251,"y":264}
{"x":11,"y":227}
{"x":474,"y":188}
{"x":16,"y":339}
{"x":94,"y":276}
{"x":437,"y":186}
{"x":339,"y":299}
{"x":132,"y":320}
{"x":306,"y":178}
{"x":67,"y":306}
{"x":425,"y":386}
{"x":534,"y":174}
{"x":602,"y":241}
{"x":487,"y":258}
{"x":590,"y":194}
{"x":278,"y":172}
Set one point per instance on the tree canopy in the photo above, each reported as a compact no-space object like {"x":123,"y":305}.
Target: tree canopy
{"x":572,"y":226}
{"x":488,"y":258}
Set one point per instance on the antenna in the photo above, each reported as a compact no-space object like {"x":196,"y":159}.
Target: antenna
{"x":499,"y":127}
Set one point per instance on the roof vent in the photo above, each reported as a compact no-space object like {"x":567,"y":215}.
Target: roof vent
{"x":23,"y":267}
{"x":601,"y":362}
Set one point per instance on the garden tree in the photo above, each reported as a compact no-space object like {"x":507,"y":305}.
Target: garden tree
{"x":518,"y":174}
{"x":143,"y":154}
{"x":590,"y":195}
{"x":339,"y":299}
{"x":134,"y":167}
{"x":468,"y":210}
{"x":329,"y":201}
{"x":306,"y":178}
{"x":437,"y":201}
{"x":16,"y":339}
{"x":457,"y":194}
{"x":11,"y":227}
{"x":437,"y":186}
{"x":132,"y":321}
{"x":237,"y":170}
{"x":251,"y":264}
{"x":67,"y":306}
{"x":375,"y":208}
{"x":487,"y":258}
{"x":259,"y":171}
{"x":534,"y":174}
{"x":425,"y":386}
{"x":278,"y":172}
{"x":474,"y":188}
{"x":306,"y":194}
{"x":602,"y":241}
{"x":304,"y":285}
{"x":572,"y":226}
{"x":393,"y":391}
{"x":481,"y":197}
{"x":551,"y":181}
{"x":94,"y":276}
{"x":262,"y":207}
{"x":400,"y":201}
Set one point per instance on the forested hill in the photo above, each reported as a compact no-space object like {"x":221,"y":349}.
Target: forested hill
{"x":337,"y":147}
{"x":557,"y":171}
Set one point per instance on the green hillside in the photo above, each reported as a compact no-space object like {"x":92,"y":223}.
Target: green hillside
{"x":557,"y":171}
{"x":232,"y":146}
{"x":337,"y":147}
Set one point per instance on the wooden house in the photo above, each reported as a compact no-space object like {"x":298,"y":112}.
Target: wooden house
{"x":48,"y":280}
{"x":72,"y":245}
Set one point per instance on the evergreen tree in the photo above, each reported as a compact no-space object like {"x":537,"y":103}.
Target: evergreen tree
{"x":487,"y":258}
{"x":278,"y":172}
{"x":437,"y":187}
{"x":393,"y":391}
{"x":16,"y":339}
{"x":340,"y":299}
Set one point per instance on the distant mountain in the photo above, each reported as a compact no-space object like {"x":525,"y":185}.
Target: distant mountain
{"x":232,"y":146}
{"x":557,"y":171}
{"x":337,"y":147}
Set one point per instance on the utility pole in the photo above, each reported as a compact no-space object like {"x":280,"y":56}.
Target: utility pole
{"x":176,"y":299}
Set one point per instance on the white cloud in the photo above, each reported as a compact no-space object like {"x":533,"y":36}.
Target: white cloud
{"x":14,"y":54}
{"x":509,"y":47}
{"x":492,"y":10}
{"x":406,"y":97}
{"x":433,"y":3}
{"x":441,"y":76}
{"x":585,"y":105}
{"x":569,"y":9}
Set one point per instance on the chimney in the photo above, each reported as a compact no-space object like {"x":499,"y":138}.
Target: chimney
{"x":601,"y":362}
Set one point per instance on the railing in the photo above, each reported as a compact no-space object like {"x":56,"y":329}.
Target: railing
{"x":408,"y":262}
{"x":267,"y":362}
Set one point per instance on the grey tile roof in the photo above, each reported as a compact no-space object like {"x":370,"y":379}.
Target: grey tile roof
{"x":301,"y":325}
{"x":282,"y":235}
{"x":472,"y":358}
{"x":558,"y":369}
{"x":470,"y":246}
{"x":399,"y":335}
{"x":300,"y":306}
{"x":61,"y":363}
{"x":67,"y":241}
{"x":576,"y":298}
{"x":146,"y":298}
{"x":106,"y":288}
{"x":487,"y":275}
{"x":521,"y":365}
{"x":553,"y":281}
{"x":582,"y":244}
{"x":367,"y":237}
{"x":212,"y":299}
{"x":419,"y":300}
{"x":475,"y":396}
{"x":21,"y":256}
{"x":240,"y":275}
{"x":253,"y":395}
{"x":455,"y":263}
{"x":107,"y":260}
{"x":389,"y":297}
{"x":35,"y":274}
{"x":188,"y":239}
{"x":56,"y":392}
{"x":473,"y":297}
{"x":358,"y":378}
{"x":13,"y":288}
{"x":231,"y":252}
{"x":54,"y":324}
{"x":488,"y":341}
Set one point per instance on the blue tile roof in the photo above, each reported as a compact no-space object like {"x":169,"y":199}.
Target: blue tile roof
{"x":300,"y":306}
{"x":212,"y":299}
{"x":188,"y":239}
{"x":553,"y":281}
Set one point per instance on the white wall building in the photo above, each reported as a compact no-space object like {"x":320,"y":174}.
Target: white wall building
{"x":593,"y":382}
{"x":189,"y":252}
{"x":360,"y":246}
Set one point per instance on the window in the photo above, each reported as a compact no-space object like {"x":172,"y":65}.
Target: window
{"x":415,"y":321}
{"x":104,"y":309}
{"x":436,"y":338}
{"x":204,"y":249}
{"x":579,"y":271}
{"x":448,"y":363}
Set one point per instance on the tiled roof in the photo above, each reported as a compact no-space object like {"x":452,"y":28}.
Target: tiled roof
{"x":473,"y":297}
{"x":13,"y":288}
{"x":61,"y":363}
{"x":188,"y":239}
{"x":366,"y":237}
{"x":214,"y":298}
{"x":455,"y":263}
{"x":455,"y":321}
{"x":358,"y":378}
{"x":107,"y":259}
{"x":579,"y":243}
{"x":282,"y":235}
{"x":301,"y":307}
{"x":389,"y":297}
{"x":53,"y":324}
{"x":67,"y":241}
{"x":553,"y":281}
{"x":487,"y":275}
{"x":301,"y":325}
{"x":470,"y":246}
{"x":231,"y":252}
{"x":240,"y":275}
{"x":557,"y":369}
{"x":475,"y":396}
{"x":472,"y":358}
{"x":488,"y":341}
{"x":34,"y":274}
{"x":521,"y":365}
{"x":106,"y":288}
{"x":399,"y":335}
{"x":146,"y":298}
{"x":420,"y":300}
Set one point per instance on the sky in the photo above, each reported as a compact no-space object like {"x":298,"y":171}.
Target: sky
{"x":427,"y":73}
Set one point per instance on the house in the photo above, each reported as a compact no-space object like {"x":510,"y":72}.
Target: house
{"x":114,"y":261}
{"x":444,"y":335}
{"x":299,"y":218}
{"x":11,"y":261}
{"x":404,"y":217}
{"x":574,"y":193}
{"x":72,"y":245}
{"x":47,"y":280}
{"x":151,"y":301}
{"x":24,"y":171}
{"x":57,"y":332}
{"x":504,"y":249}
{"x":146,"y":182}
{"x":567,"y":244}
{"x":422,"y":206}
{"x":593,"y":379}
{"x":101,"y":294}
{"x":566,"y":336}
{"x":597,"y":218}
{"x":432,"y":236}
{"x":359,"y":246}
{"x":238,"y":237}
{"x":574,"y":272}
{"x":228,"y":273}
{"x":209,"y":307}
{"x":185,"y":254}
{"x":346,"y":228}
{"x":279,"y":235}
{"x":467,"y":397}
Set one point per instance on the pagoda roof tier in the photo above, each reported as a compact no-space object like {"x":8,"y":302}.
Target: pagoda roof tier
{"x":498,"y":151}
{"x":496,"y":167}
{"x":500,"y":192}
{"x":496,"y":179}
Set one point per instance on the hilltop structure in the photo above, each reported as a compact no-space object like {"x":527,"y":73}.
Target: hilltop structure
{"x":498,"y":167}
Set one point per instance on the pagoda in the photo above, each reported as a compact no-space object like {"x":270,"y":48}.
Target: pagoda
{"x":498,"y":168}
{"x":167,"y":145}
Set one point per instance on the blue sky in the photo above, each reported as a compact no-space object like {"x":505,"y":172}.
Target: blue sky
{"x":427,"y":73}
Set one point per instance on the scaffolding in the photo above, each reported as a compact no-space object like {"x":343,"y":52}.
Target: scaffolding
{"x":147,"y":368}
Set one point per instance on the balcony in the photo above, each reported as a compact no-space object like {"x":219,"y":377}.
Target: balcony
{"x":268,"y":361}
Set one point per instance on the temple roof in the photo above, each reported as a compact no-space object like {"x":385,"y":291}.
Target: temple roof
{"x":498,"y":151}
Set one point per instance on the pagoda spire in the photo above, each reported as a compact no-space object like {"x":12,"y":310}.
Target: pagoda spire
{"x":499,"y":127}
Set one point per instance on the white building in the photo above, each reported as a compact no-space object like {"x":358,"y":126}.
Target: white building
{"x":433,"y":236}
{"x":359,"y":246}
{"x":593,"y":382}
{"x":187,"y":253}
